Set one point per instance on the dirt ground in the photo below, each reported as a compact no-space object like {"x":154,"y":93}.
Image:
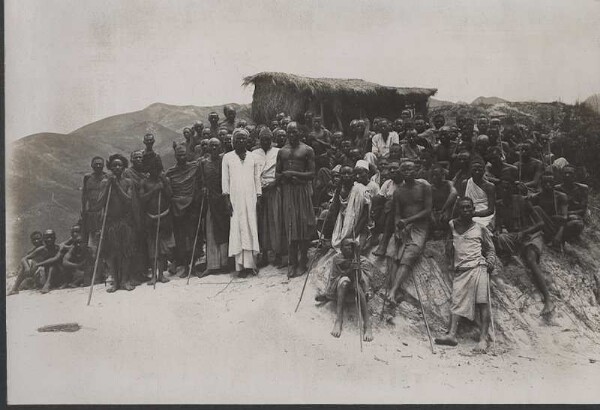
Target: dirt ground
{"x":209,"y":342}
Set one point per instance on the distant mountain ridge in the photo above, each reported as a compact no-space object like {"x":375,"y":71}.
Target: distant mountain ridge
{"x":488,"y":101}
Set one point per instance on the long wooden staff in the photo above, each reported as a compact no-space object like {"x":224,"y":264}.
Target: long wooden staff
{"x":99,"y":244}
{"x":312,"y":262}
{"x":423,"y":311}
{"x":289,"y":237}
{"x":195,"y":240}
{"x":491,"y":313}
{"x":357,"y":284}
{"x":155,"y":274}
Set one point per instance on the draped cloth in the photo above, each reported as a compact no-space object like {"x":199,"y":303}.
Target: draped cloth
{"x":166,"y":240}
{"x":241,"y":181}
{"x":473,"y":252}
{"x":480,"y":201}
{"x":349,"y":214}
{"x":298,"y":212}
{"x":211,"y":175}
{"x":183,"y":184}
{"x":342,"y":272}
{"x":216,"y":252}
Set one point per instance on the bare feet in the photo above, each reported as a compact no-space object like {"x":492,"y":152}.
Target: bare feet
{"x":163,"y":279}
{"x":151,"y":282}
{"x":446,"y":340}
{"x":45,"y":290}
{"x":337,"y":329}
{"x":128,"y":286}
{"x":481,"y":347}
{"x":293,"y":272}
{"x":112,"y":288}
{"x":548,"y":307}
{"x":184,"y":271}
{"x":368,"y":336}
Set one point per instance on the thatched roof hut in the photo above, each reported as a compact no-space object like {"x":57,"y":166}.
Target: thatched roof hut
{"x":337,"y":100}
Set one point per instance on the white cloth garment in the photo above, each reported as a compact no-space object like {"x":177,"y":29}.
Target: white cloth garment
{"x":241,"y":180}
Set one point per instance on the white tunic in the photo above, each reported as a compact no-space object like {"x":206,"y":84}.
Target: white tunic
{"x":241,"y":180}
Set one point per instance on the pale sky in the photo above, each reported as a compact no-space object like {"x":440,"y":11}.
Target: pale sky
{"x":71,"y":62}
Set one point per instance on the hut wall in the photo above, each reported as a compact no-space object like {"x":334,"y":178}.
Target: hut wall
{"x":268,"y":100}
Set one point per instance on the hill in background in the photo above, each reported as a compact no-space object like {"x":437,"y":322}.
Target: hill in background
{"x":488,"y":101}
{"x":45,"y":171}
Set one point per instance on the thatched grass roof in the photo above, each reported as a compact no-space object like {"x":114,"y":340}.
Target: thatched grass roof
{"x":335,"y":86}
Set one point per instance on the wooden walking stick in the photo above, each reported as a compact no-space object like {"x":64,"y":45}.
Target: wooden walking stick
{"x":99,"y":244}
{"x":491,"y":313}
{"x":154,"y":273}
{"x":423,"y":312}
{"x":289,"y":239}
{"x":195,"y":240}
{"x":312,"y":262}
{"x":358,"y":307}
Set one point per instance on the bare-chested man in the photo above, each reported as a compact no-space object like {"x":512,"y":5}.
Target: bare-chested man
{"x":519,"y":232}
{"x":443,"y":196}
{"x":24,"y":271}
{"x":552,"y":206}
{"x":149,"y":151}
{"x":76,"y":263}
{"x":213,"y":119}
{"x":46,"y":262}
{"x":119,"y":238}
{"x":295,"y":169}
{"x":529,"y":169}
{"x":91,"y":206}
{"x":151,"y":187}
{"x":577,"y":195}
{"x":412,"y":210}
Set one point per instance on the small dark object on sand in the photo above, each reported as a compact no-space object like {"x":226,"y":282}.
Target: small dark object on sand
{"x":61,"y":327}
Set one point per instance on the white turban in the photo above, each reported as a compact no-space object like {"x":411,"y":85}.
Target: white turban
{"x":361,"y":163}
{"x":237,"y":132}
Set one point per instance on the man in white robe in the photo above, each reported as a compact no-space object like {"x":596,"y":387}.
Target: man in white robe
{"x":241,"y":188}
{"x":483,"y":194}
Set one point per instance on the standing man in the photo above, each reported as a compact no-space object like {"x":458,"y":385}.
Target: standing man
{"x":91,"y":206}
{"x":270,"y":218}
{"x":137,"y":174}
{"x":294,"y":170}
{"x":229,"y":122}
{"x":241,"y":188}
{"x":185,"y":180}
{"x":412,"y":211}
{"x":213,"y":119}
{"x":217,"y":217}
{"x":197,"y":131}
{"x":149,"y":152}
{"x":473,"y":260}
{"x":119,"y":244}
{"x":157,"y":183}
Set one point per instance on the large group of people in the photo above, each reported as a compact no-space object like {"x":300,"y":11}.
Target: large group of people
{"x":241,"y":196}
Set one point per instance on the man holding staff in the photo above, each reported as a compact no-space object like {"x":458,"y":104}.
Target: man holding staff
{"x":473,"y":258}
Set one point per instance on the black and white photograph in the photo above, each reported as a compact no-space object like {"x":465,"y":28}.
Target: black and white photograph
{"x":302,"y":201}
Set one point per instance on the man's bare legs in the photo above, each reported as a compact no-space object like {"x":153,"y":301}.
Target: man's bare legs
{"x":366,"y":319}
{"x":399,"y":277}
{"x":339,"y":320}
{"x":539,"y":280}
{"x":23,"y":272}
{"x":52,"y":270}
{"x":484,"y":311}
{"x":450,"y":338}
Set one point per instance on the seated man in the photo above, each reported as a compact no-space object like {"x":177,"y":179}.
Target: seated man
{"x":443,"y":197}
{"x":482,"y":192}
{"x":412,"y":210}
{"x":410,"y":150}
{"x":519,"y":232}
{"x":24,"y":270}
{"x":495,"y":166}
{"x":383,"y":214}
{"x":552,"y":207}
{"x":473,"y":258}
{"x":342,"y":282}
{"x":46,"y":262}
{"x":577,"y":195}
{"x":76,"y":264}
{"x":529,"y":169}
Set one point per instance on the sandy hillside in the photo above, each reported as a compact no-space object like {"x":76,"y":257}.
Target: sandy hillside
{"x":213,"y":343}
